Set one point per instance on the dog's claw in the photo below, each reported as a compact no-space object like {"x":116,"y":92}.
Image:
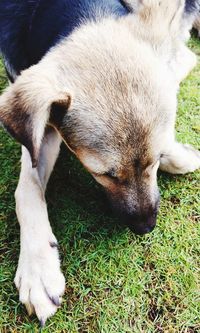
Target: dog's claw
{"x":42,"y":322}
{"x":56,"y":300}
{"x":54,"y":244}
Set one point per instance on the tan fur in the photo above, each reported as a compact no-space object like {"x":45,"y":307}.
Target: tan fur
{"x":110,"y":91}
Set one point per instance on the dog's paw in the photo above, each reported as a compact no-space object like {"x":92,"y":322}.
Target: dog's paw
{"x":193,"y":162}
{"x":182,"y":160}
{"x":40,"y":282}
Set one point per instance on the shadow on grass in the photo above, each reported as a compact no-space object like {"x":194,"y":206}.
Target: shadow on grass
{"x":80,"y":215}
{"x":77,"y":202}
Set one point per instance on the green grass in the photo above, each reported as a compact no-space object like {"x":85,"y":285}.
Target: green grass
{"x":116,"y":282}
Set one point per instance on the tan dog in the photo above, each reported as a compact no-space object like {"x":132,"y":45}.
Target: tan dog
{"x":110,"y":92}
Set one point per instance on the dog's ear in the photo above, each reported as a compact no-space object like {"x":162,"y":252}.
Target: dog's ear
{"x":158,"y":21}
{"x":163,"y":12}
{"x":28,"y":105}
{"x":135,"y":5}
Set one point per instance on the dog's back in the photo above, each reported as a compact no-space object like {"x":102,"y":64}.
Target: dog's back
{"x":30,"y":28}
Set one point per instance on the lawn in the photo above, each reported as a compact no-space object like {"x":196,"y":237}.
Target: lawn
{"x":116,"y":282}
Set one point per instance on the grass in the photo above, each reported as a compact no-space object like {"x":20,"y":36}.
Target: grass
{"x":116,"y":282}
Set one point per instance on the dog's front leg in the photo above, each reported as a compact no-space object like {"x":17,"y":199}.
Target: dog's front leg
{"x":180,"y":159}
{"x":38,"y":279}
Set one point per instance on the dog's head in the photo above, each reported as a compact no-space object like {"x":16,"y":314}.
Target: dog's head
{"x":118,"y":126}
{"x":114,"y":107}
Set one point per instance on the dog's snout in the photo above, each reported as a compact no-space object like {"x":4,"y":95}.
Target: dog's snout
{"x":141,"y":230}
{"x":141,"y":224}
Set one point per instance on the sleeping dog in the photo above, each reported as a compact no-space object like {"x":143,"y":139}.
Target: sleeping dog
{"x":103,"y":76}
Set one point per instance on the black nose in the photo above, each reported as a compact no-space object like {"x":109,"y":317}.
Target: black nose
{"x":141,"y":225}
{"x":141,"y":230}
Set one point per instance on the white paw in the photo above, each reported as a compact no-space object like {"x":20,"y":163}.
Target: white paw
{"x":40,"y":281}
{"x":184,"y":159}
{"x":193,"y":162}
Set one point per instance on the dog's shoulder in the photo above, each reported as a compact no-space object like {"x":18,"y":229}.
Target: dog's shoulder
{"x":56,"y":19}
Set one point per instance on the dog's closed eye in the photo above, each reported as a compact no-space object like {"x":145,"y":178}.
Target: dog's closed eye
{"x":108,"y":174}
{"x":111,"y":174}
{"x":107,"y":179}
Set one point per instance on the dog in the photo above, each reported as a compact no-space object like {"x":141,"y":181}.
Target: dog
{"x":102,"y":76}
